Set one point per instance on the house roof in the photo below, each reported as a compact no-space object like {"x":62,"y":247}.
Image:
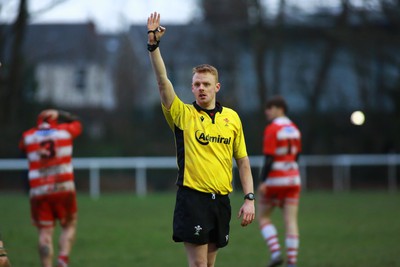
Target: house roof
{"x":61,"y":42}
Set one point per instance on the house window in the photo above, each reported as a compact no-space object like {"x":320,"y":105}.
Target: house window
{"x":80,"y":79}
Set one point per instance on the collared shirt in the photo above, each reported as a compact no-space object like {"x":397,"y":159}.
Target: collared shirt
{"x":49,"y":153}
{"x":282,"y":140}
{"x":205,"y":145}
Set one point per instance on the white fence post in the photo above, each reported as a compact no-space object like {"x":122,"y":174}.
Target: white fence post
{"x":392,"y":173}
{"x":141,"y":179}
{"x":94,"y":176}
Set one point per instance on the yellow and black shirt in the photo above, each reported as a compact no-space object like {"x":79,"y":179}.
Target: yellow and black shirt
{"x":206,"y":143}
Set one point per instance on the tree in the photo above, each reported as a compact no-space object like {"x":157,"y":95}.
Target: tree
{"x":11,"y":82}
{"x":226,"y":20}
{"x":14,"y":100}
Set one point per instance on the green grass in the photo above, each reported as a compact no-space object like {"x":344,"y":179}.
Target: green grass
{"x":346,"y":230}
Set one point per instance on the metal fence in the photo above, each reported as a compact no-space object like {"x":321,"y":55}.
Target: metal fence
{"x":340,"y":164}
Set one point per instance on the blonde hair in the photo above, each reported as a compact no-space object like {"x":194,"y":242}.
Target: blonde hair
{"x":204,"y":68}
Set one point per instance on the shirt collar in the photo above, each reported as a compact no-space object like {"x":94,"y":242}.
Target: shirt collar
{"x":218,"y":107}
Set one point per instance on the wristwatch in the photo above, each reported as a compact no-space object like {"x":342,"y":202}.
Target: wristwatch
{"x":250,"y":196}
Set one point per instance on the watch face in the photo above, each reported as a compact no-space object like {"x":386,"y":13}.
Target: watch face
{"x":249,"y":196}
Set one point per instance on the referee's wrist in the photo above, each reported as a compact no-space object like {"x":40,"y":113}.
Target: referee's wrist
{"x":250,"y":196}
{"x":151,"y":47}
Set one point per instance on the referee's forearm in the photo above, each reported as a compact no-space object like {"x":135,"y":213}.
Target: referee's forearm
{"x":165,"y":87}
{"x":158,"y":65}
{"x":246,"y":178}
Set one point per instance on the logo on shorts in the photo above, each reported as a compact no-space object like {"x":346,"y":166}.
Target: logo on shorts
{"x":226,"y":238}
{"x":197,"y":230}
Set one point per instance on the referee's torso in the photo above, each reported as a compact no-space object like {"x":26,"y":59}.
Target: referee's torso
{"x":206,"y":145}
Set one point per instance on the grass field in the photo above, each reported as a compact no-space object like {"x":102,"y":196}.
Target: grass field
{"x":347,"y":230}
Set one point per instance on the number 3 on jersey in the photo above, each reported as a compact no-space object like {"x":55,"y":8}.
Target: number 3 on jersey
{"x":47,"y":149}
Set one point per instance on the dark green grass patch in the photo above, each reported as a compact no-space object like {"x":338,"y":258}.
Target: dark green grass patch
{"x":347,"y":229}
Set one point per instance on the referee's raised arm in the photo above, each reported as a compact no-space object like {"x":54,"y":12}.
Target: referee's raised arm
{"x":154,"y":33}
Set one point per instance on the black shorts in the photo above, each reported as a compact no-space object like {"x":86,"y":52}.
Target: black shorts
{"x":201,"y":218}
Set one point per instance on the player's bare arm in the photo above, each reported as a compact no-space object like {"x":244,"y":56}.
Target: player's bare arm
{"x":154,"y":35}
{"x":54,"y":114}
{"x":247,"y":211}
{"x":67,"y":116}
{"x":49,"y":114}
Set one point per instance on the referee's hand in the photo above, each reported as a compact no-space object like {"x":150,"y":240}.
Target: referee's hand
{"x":153,"y":24}
{"x":247,"y":212}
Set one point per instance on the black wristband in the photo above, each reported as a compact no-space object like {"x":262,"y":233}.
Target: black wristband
{"x":152,"y":47}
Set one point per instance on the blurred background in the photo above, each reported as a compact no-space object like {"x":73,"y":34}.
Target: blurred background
{"x":327,"y":58}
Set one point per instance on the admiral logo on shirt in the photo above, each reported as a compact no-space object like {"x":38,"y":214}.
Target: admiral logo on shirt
{"x":205,"y":139}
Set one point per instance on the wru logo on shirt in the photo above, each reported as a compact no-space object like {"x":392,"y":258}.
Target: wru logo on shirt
{"x":205,"y":139}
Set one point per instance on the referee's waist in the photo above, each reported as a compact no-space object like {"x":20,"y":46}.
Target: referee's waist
{"x":212,"y":195}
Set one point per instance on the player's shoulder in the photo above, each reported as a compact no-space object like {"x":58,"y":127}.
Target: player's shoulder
{"x":229,"y":111}
{"x":282,"y":121}
{"x":231,"y":115}
{"x":29,"y":131}
{"x":71,"y":127}
{"x":271,"y":127}
{"x":177,"y":103}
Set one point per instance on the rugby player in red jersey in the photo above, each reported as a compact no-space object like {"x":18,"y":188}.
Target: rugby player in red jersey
{"x":280,"y":181}
{"x":48,"y":147}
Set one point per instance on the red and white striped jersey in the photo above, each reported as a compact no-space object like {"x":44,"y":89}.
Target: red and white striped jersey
{"x":49,"y":153}
{"x":282,"y":140}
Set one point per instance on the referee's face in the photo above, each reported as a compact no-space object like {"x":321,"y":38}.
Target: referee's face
{"x":205,"y":88}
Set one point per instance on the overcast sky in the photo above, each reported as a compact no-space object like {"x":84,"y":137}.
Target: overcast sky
{"x":108,"y":15}
{"x":114,"y":15}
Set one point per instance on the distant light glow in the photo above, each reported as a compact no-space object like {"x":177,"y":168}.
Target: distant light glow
{"x":357,"y":118}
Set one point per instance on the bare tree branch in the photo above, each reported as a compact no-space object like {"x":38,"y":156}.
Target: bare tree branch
{"x":46,"y":8}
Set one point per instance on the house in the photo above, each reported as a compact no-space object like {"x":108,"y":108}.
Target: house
{"x":71,"y":67}
{"x":77,"y":67}
{"x":351,"y":57}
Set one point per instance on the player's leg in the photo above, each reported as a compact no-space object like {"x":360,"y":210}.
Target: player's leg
{"x":46,"y":250}
{"x":67,"y":214}
{"x":4,"y":262}
{"x":290,"y":212}
{"x":66,"y":241}
{"x":269,"y":233}
{"x":212,"y":254}
{"x":43,"y":219}
{"x":197,"y":254}
{"x":265,"y":208}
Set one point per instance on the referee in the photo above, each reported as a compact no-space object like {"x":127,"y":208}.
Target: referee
{"x":207,"y":136}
